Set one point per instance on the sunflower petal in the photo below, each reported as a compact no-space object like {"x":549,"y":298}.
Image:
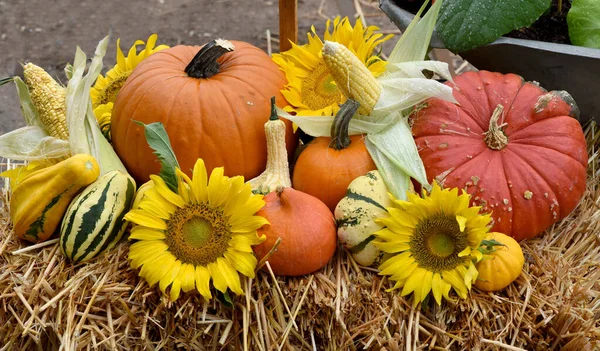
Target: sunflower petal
{"x":169,"y":276}
{"x":462,"y":222}
{"x":436,"y":287}
{"x":202,"y":277}
{"x":145,"y":219}
{"x":396,"y":263}
{"x":247,"y":224}
{"x":200,"y":181}
{"x":453,"y":278}
{"x":244,"y":242}
{"x":413,"y":281}
{"x":218,"y":187}
{"x":175,"y":290}
{"x":162,"y":265}
{"x":244,"y":263}
{"x":143,"y":233}
{"x":160,"y":209}
{"x":392,"y":246}
{"x":426,"y":285}
{"x":162,"y":188}
{"x":471,"y":275}
{"x":230,"y":276}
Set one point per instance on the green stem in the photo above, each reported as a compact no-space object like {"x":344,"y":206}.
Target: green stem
{"x":274,"y":116}
{"x":204,"y":64}
{"x":339,"y":128}
{"x":6,"y":80}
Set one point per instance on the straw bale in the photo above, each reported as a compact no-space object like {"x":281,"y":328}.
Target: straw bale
{"x":49,"y":304}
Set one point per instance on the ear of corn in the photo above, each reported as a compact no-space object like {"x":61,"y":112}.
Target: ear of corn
{"x":352,"y":76}
{"x":49,"y":99}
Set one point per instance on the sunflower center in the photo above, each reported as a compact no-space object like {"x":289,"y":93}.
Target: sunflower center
{"x":109,"y":94}
{"x":437,"y":242}
{"x":319,"y":89}
{"x":441,"y":244}
{"x":198,"y":234}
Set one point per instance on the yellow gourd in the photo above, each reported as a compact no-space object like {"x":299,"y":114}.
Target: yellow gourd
{"x":501,"y":264}
{"x":39,"y":202}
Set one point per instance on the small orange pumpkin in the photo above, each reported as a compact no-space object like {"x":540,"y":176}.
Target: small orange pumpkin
{"x":307,"y":230}
{"x":213,"y":102}
{"x":502,"y":262}
{"x":328,"y":165}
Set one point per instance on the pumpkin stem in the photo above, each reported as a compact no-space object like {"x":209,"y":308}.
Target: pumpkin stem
{"x":339,"y":128}
{"x":495,"y":138}
{"x":204,"y":64}
{"x":488,"y":247}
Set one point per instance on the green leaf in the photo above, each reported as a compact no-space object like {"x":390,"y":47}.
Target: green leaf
{"x":467,"y":24}
{"x":584,"y":23}
{"x":5,"y":80}
{"x":225,"y":298}
{"x":157,"y":138}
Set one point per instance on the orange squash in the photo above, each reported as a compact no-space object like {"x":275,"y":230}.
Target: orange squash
{"x":213,"y":102}
{"x":307,"y":230}
{"x":328,"y":165}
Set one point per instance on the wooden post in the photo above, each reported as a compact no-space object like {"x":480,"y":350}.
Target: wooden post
{"x":288,"y":24}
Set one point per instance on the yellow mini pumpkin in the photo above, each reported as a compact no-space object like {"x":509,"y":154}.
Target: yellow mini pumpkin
{"x":501,"y":264}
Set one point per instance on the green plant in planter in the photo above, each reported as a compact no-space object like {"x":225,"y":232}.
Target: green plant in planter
{"x":467,"y":24}
{"x":584,"y":24}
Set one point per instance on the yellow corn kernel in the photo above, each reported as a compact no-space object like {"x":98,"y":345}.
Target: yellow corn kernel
{"x":352,"y":76}
{"x":48,"y":97}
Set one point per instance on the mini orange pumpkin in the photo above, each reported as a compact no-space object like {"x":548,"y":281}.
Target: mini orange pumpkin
{"x":502,"y":262}
{"x":307,"y":230}
{"x":213,"y":102}
{"x":328,"y":165}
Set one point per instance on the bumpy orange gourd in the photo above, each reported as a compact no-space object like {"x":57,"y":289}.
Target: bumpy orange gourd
{"x":502,"y":266}
{"x":306,"y":227}
{"x":516,"y":148}
{"x":328,"y":165}
{"x":213,"y":102}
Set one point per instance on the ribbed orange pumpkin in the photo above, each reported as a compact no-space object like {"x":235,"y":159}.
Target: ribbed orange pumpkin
{"x":213,"y":102}
{"x":516,"y":148}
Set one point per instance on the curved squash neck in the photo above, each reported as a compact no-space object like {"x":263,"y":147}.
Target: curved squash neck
{"x":204,"y":64}
{"x":339,"y":128}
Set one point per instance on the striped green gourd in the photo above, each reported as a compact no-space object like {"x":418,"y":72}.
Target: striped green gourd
{"x":366,"y":199}
{"x":94,"y":221}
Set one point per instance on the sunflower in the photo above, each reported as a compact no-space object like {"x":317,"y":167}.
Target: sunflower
{"x":311,"y":90}
{"x":204,"y":231}
{"x":107,"y":87}
{"x":435,"y":241}
{"x":103,"y":114}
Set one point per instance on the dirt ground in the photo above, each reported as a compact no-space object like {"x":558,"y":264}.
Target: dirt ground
{"x":46,"y":32}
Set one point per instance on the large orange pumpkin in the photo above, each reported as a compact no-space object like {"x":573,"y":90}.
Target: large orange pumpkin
{"x":511,"y":144}
{"x":213,"y":102}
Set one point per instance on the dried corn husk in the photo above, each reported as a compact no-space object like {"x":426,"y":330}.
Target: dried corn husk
{"x":85,"y":134}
